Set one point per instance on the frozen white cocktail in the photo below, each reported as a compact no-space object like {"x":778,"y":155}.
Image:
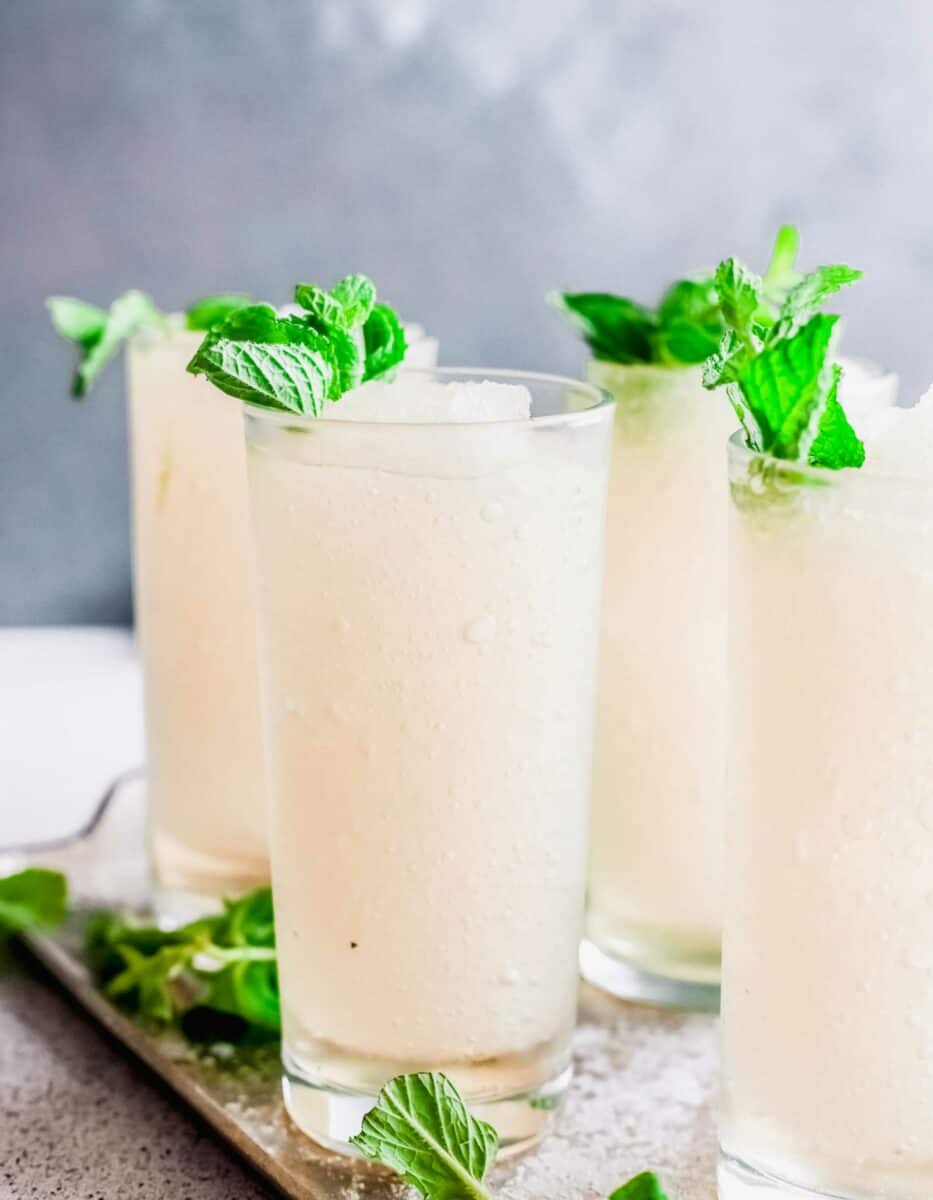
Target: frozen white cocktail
{"x":428,"y":558}
{"x":196,"y":623}
{"x":827,"y":980}
{"x":654,"y":913}
{"x":194,"y":603}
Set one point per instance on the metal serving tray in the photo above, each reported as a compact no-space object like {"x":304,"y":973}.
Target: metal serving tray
{"x":642,"y":1097}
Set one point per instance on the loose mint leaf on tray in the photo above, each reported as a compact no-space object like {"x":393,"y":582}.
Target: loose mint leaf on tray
{"x":384,"y":342}
{"x":422,"y":1129}
{"x":276,"y":362}
{"x":32,"y":899}
{"x":645,"y":1186}
{"x":204,"y":314}
{"x":215,"y":977}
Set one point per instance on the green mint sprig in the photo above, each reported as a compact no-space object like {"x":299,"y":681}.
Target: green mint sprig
{"x":645,"y":1186}
{"x":32,"y":899}
{"x":204,"y":314}
{"x":216,"y":977}
{"x":296,"y":363}
{"x":422,"y":1129}
{"x":683,"y":330}
{"x":776,"y":359}
{"x":100,"y":335}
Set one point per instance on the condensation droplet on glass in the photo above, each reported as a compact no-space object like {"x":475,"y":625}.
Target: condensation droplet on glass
{"x":481,"y":631}
{"x":491,"y":511}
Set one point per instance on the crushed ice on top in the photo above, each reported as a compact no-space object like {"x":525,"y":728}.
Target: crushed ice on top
{"x":421,"y":351}
{"x":898,"y":441}
{"x":866,"y":387}
{"x":425,"y":400}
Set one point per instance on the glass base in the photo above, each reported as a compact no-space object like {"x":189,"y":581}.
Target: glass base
{"x":738,"y":1181}
{"x":331,"y":1115}
{"x":629,"y":981}
{"x":188,"y":883}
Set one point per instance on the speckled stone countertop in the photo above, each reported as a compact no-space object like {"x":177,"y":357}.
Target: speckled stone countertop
{"x":79,"y":1118}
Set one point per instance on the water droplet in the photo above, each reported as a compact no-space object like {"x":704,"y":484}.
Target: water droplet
{"x":857,"y":825}
{"x":481,"y":631}
{"x":491,"y":511}
{"x":510,"y":977}
{"x":802,"y":846}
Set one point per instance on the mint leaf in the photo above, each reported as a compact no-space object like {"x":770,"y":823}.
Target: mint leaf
{"x":785,"y":388}
{"x":348,"y":352}
{"x":836,"y":444}
{"x":211,"y":310}
{"x":689,"y":325}
{"x":357,"y":296}
{"x":216,"y":977}
{"x":615,"y":329}
{"x":275,"y":362}
{"x":775,"y":358}
{"x":691,"y":300}
{"x":423,"y":1130}
{"x":326,"y":309}
{"x":99,"y":336}
{"x":149,"y":979}
{"x":32,"y":899}
{"x":809,"y":294}
{"x":782,"y":273}
{"x":645,"y":1186}
{"x":77,"y":321}
{"x":739,"y":292}
{"x":384,"y":342}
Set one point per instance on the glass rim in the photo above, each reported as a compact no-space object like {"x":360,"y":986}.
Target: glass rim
{"x":738,"y":451}
{"x":601,"y":400}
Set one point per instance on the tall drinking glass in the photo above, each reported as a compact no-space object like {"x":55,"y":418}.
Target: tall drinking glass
{"x":196,"y":624}
{"x":654,"y":916}
{"x":654,"y":909}
{"x":428,"y":588}
{"x":828,"y":952}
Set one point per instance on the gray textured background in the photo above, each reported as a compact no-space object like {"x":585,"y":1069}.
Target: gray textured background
{"x":467,"y":155}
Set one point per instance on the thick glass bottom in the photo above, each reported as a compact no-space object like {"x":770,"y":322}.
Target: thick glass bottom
{"x":507,"y":1092}
{"x":188,"y":883}
{"x":739,"y":1181}
{"x":671,"y":983}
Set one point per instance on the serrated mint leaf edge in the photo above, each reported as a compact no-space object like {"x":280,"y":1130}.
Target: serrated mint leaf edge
{"x":388,"y":1150}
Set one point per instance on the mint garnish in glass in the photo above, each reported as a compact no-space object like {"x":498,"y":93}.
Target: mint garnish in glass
{"x":777,"y":359}
{"x":100,"y":335}
{"x":296,"y":363}
{"x":683,"y":330}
